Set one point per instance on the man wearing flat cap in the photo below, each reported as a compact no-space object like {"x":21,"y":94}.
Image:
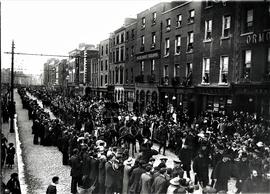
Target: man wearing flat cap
{"x":135,"y":177}
{"x":160,"y":183}
{"x":177,"y":169}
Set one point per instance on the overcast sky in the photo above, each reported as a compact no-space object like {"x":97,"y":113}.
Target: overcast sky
{"x":57,"y":27}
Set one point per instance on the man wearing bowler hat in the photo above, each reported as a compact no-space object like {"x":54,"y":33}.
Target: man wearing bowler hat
{"x":177,"y":169}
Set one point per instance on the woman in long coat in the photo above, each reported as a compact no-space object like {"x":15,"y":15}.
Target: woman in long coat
{"x":10,"y":155}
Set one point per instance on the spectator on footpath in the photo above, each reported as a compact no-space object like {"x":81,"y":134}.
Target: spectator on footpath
{"x":14,"y":184}
{"x":253,"y":184}
{"x":185,"y":155}
{"x":146,"y":181}
{"x":160,"y":183}
{"x":75,"y":170}
{"x":3,"y":149}
{"x":52,"y":187}
{"x":10,"y":155}
{"x":200,"y":167}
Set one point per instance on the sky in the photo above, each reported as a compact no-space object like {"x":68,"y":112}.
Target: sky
{"x":57,"y":27}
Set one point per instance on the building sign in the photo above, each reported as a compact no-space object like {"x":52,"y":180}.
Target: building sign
{"x":148,"y":56}
{"x":259,"y":37}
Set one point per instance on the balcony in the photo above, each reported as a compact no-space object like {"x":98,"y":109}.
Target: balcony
{"x":176,"y":81}
{"x":139,"y":79}
{"x":151,"y":78}
{"x":165,"y":81}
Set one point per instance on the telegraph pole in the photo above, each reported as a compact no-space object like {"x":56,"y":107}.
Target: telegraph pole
{"x":12,"y":103}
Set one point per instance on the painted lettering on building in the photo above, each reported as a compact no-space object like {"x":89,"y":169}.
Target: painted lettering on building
{"x":148,"y":56}
{"x":258,"y":38}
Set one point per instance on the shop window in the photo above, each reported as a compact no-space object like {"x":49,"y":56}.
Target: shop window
{"x":206,"y":70}
{"x":224,"y":64}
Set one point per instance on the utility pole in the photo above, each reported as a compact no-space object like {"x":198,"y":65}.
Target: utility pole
{"x":12,"y":103}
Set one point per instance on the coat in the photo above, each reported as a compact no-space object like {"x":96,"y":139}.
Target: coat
{"x":75,"y":166}
{"x":14,"y":186}
{"x":134,"y":180}
{"x":185,"y":155}
{"x":94,"y":169}
{"x":101,"y":173}
{"x":51,"y":189}
{"x":159,"y":185}
{"x":125,"y":179}
{"x":145,"y":183}
{"x":109,"y":175}
{"x":252,"y":185}
{"x":200,"y":166}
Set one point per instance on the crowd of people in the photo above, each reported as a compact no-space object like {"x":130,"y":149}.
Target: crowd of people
{"x":88,"y":133}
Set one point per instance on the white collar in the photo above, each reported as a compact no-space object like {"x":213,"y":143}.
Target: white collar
{"x":53,"y":184}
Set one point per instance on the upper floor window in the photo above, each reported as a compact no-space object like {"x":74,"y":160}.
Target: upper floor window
{"x":117,"y":39}
{"x":127,"y":54}
{"x":206,"y":70}
{"x":101,"y":65}
{"x":191,"y":16}
{"x":166,"y":71}
{"x":127,"y":35}
{"x":268,"y":62}
{"x":153,"y":63}
{"x":168,"y":24}
{"x":249,"y":20}
{"x":177,"y":44}
{"x":142,"y":44}
{"x":208,"y":30}
{"x":153,"y":40}
{"x":176,"y":70}
{"x":154,"y":17}
{"x":224,"y":65}
{"x":107,"y":49}
{"x":132,"y":51}
{"x":190,"y":41}
{"x":101,"y":50}
{"x":132,"y":34}
{"x":142,"y":67}
{"x":106,"y":65}
{"x":143,"y":22}
{"x":179,"y":21}
{"x":122,"y":54}
{"x":167,"y":46}
{"x":189,"y":69}
{"x":226,"y":25}
{"x":247,"y":64}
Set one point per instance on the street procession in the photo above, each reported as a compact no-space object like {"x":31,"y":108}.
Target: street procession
{"x":174,"y":100}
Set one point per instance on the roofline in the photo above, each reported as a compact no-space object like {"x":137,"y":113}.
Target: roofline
{"x":189,"y":1}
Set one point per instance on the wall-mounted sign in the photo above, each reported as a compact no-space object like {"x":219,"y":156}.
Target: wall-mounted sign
{"x":148,"y":56}
{"x":259,"y":37}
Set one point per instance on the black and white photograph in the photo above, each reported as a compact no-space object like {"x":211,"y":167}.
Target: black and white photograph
{"x":135,"y":96}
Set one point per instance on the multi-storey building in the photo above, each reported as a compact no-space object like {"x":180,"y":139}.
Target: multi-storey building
{"x":49,"y":72}
{"x":148,"y":51}
{"x":129,"y":87}
{"x":103,"y":67}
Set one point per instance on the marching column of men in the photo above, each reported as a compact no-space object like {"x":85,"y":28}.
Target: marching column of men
{"x":103,"y":169}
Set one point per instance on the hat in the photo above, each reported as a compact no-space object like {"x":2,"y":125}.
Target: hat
{"x":209,"y":190}
{"x":175,"y":181}
{"x":129,"y":161}
{"x":177,"y":161}
{"x":142,"y":162}
{"x":152,"y":159}
{"x":148,"y":168}
{"x":259,"y":144}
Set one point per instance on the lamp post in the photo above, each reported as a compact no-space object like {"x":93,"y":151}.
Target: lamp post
{"x":12,"y":103}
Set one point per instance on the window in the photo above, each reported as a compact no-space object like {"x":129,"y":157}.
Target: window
{"x":206,"y":70}
{"x":117,"y":39}
{"x":101,"y":65}
{"x":177,"y":44}
{"x":126,"y":76}
{"x":143,"y":22}
{"x":142,"y":43}
{"x":167,"y":46}
{"x":224,"y":64}
{"x":153,"y":38}
{"x":132,"y":34}
{"x":179,"y":21}
{"x":106,"y":79}
{"x":117,"y":55}
{"x":168,"y":26}
{"x":226,"y":25}
{"x":208,"y":30}
{"x":101,"y":80}
{"x":106,"y":65}
{"x":268,"y":62}
{"x":249,"y":20}
{"x":191,"y":16}
{"x":142,"y":67}
{"x":113,"y":77}
{"x":122,"y":54}
{"x":101,"y":50}
{"x":131,"y":75}
{"x":154,"y":17}
{"x":153,"y":63}
{"x":247,"y":64}
{"x":127,"y":54}
{"x":188,"y":69}
{"x":107,"y":49}
{"x":190,"y":42}
{"x":166,"y":71}
{"x":122,"y":37}
{"x":176,"y":70}
{"x":121,"y":75}
{"x":127,"y":36}
{"x":116,"y":75}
